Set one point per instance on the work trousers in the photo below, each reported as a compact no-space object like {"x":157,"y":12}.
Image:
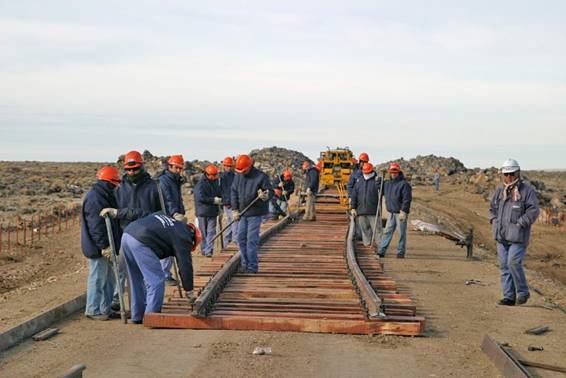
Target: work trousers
{"x":100,"y":287}
{"x":513,"y":280}
{"x":248,"y":240}
{"x":166,"y":265}
{"x":207,"y":226}
{"x":387,"y":236}
{"x":310,"y":211}
{"x":367,"y":226}
{"x":231,"y":234}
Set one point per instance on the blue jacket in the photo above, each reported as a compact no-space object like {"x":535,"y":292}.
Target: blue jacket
{"x":205,"y":191}
{"x":354,"y":176}
{"x":136,"y":200}
{"x":398,"y":195}
{"x":94,"y":237}
{"x":311,"y":179}
{"x":511,"y":220}
{"x":365,"y":195}
{"x":288,"y":186}
{"x":170,"y":184}
{"x":244,"y":191}
{"x":226,"y":180}
{"x":166,"y":237}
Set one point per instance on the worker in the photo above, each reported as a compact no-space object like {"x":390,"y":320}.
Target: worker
{"x":137,"y":197}
{"x":144,"y":243}
{"x":250,"y":184}
{"x":311,"y":183}
{"x":287,"y":187}
{"x":398,"y":197}
{"x":208,"y":199}
{"x":356,"y":173}
{"x":95,"y":244}
{"x":226,"y":180}
{"x":170,"y":182}
{"x":513,"y":210}
{"x":365,"y":198}
{"x":436,"y":180}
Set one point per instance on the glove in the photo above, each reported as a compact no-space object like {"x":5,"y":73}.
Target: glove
{"x":191,"y":297}
{"x":107,"y":253}
{"x":217,"y":200}
{"x":309,"y":191}
{"x":354,"y":213}
{"x":521,"y":223}
{"x":180,"y":217}
{"x":111,"y":212}
{"x":402,"y":216}
{"x":263,"y":194}
{"x":236,"y":215}
{"x":281,"y":184}
{"x":284,"y":193}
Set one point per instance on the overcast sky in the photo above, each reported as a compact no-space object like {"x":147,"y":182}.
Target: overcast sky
{"x":477,"y":80}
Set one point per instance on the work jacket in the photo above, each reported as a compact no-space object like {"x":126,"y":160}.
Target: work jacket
{"x":170,"y":184}
{"x":137,"y":200}
{"x":398,"y":195}
{"x":226,"y":180}
{"x":205,"y":191}
{"x":312,"y":177}
{"x":244,"y":191}
{"x":365,"y":195}
{"x":354,"y":177}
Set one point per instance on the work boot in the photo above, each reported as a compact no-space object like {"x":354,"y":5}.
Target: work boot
{"x":400,"y":256}
{"x":101,"y":317}
{"x":171,"y":281}
{"x":208,"y":254}
{"x":114,"y":315}
{"x":522,"y":300}
{"x":115,"y":306}
{"x":135,"y":321}
{"x":506,"y":302}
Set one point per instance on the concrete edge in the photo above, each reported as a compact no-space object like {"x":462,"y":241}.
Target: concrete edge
{"x":19,"y":333}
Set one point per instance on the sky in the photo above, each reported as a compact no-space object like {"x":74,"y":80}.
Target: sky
{"x":90,"y":80}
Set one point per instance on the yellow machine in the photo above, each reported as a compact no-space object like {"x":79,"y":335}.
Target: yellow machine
{"x":337,"y":165}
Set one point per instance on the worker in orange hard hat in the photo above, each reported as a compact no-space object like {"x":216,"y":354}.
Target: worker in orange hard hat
{"x":312,"y":176}
{"x":279,"y":205}
{"x":365,"y":199}
{"x":398,"y":197}
{"x":95,"y":244}
{"x":208,"y":198}
{"x":226,"y":180}
{"x":170,"y":182}
{"x":357,"y":172}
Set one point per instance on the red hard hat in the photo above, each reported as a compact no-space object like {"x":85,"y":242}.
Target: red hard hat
{"x":394,"y":167}
{"x":177,"y":161}
{"x":363,"y":157}
{"x":243,"y":163}
{"x":109,"y":173}
{"x":198,"y":235}
{"x":212,"y":171}
{"x":367,"y":168}
{"x":318,"y":166}
{"x":287,"y":175}
{"x":277,"y":192}
{"x":228,"y":161}
{"x":306,"y":165}
{"x":133,"y":159}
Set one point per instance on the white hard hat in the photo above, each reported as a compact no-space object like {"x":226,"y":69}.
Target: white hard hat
{"x":510,"y":166}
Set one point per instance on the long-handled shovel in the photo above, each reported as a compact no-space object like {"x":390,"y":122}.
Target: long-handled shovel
{"x":108,"y":222}
{"x":230,"y":224}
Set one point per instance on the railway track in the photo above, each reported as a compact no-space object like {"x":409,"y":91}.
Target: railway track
{"x":312,"y":278}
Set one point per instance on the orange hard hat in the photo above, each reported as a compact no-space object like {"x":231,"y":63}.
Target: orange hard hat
{"x":394,"y":167}
{"x":211,"y":171}
{"x":367,"y":168}
{"x":363,"y":157}
{"x":287,"y":175}
{"x":109,"y":173}
{"x":277,"y":192}
{"x":198,"y":236}
{"x":318,"y":165}
{"x":133,"y":159}
{"x":244,"y":163}
{"x":306,"y":165}
{"x":177,"y":161}
{"x":228,"y":161}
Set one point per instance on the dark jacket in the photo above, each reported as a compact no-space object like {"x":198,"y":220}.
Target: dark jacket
{"x":511,"y":220}
{"x":354,"y":176}
{"x":288,"y":186}
{"x":244,"y":191}
{"x":137,"y":200}
{"x":312,"y":176}
{"x":205,"y":191}
{"x":166,"y":237}
{"x":365,"y":195}
{"x":398,"y":194}
{"x":226,"y":180}
{"x":94,"y":237}
{"x":170,"y":184}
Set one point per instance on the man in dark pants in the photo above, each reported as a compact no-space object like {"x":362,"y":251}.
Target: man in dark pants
{"x":96,"y":245}
{"x":249,"y":183}
{"x":514,"y":208}
{"x":145,"y":242}
{"x":208,"y":198}
{"x":311,"y":183}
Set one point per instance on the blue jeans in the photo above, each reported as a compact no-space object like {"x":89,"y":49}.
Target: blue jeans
{"x":513,"y":280}
{"x":147,"y":280}
{"x":100,"y":287}
{"x":207,"y":226}
{"x":166,"y":265}
{"x":232,"y":232}
{"x":388,"y":235}
{"x":248,"y":239}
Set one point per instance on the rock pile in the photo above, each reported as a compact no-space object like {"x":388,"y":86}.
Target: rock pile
{"x":274,"y":160}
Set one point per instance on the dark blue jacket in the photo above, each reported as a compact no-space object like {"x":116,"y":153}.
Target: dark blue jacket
{"x":311,"y":179}
{"x":365,"y":195}
{"x":205,"y":191}
{"x":166,"y":237}
{"x":94,"y":237}
{"x":398,"y":195}
{"x":354,"y":176}
{"x":172,"y":196}
{"x":244,"y":191}
{"x":226,"y":180}
{"x":288,"y":186}
{"x":137,"y":200}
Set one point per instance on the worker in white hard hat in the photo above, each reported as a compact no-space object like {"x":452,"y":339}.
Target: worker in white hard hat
{"x":514,"y":208}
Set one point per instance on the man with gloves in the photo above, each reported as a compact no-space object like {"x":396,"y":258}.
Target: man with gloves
{"x":226,"y":180}
{"x":365,"y":198}
{"x":208,"y":199}
{"x":312,"y":176}
{"x":287,"y":186}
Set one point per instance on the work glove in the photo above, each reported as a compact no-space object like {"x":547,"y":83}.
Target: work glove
{"x":354,"y":212}
{"x":521,"y":223}
{"x":309,"y":191}
{"x":191,"y":296}
{"x":217,"y":200}
{"x":402,"y":216}
{"x":281,"y":184}
{"x":111,"y":212}
{"x":180,"y":217}
{"x":107,"y":253}
{"x":236,"y":215}
{"x":284,"y":193}
{"x":263,"y":194}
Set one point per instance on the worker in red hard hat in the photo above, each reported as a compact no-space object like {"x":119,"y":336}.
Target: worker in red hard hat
{"x":398,"y":196}
{"x":95,"y":244}
{"x":365,"y":199}
{"x":170,"y":182}
{"x":356,"y":172}
{"x":226,"y":180}
{"x":208,"y":198}
{"x":312,"y":177}
{"x":250,"y":184}
{"x":279,"y":205}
